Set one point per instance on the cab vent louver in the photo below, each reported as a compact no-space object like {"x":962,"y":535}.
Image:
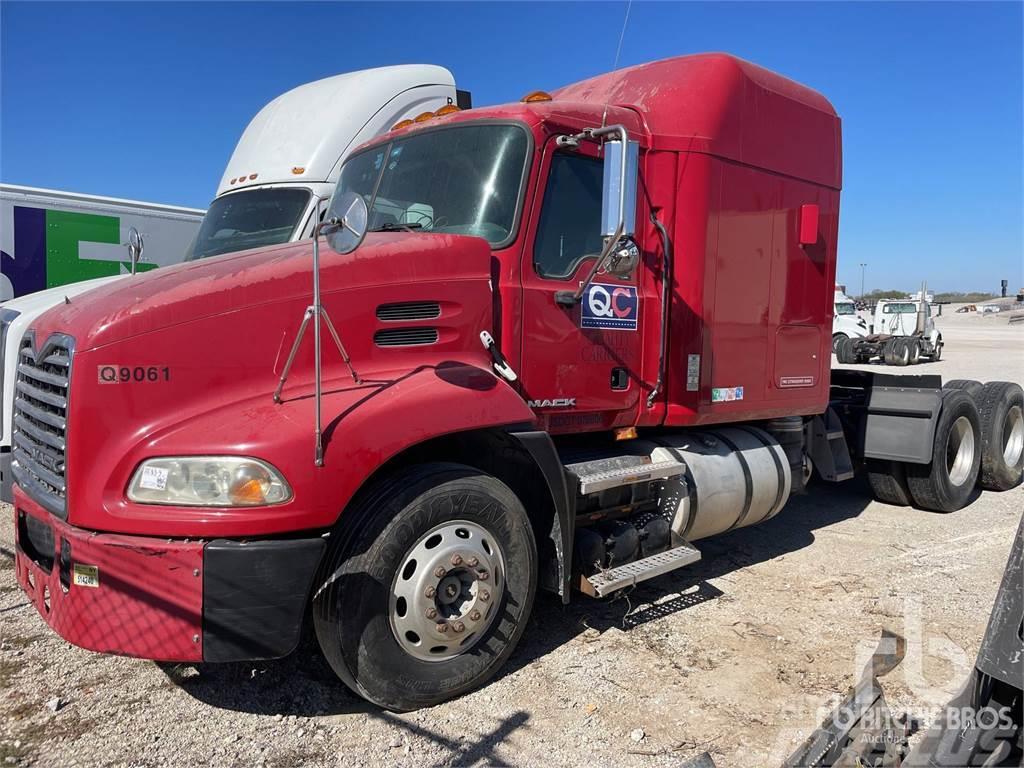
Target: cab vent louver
{"x":405,"y":337}
{"x":409,"y":310}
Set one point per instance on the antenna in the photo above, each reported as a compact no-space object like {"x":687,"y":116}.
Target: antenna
{"x":618,"y":51}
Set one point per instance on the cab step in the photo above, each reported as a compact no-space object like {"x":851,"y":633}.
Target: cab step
{"x":828,"y":449}
{"x":612,"y":580}
{"x":596,"y":476}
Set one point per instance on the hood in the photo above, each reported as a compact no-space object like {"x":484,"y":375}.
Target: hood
{"x":278,"y":274}
{"x":40,"y":301}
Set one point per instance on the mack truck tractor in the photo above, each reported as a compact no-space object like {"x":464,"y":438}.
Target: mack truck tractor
{"x":546,"y":345}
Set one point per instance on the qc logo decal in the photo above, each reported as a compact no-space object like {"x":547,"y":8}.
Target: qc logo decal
{"x":610,"y":306}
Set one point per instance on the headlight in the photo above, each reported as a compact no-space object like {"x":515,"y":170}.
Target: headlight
{"x":208,"y":481}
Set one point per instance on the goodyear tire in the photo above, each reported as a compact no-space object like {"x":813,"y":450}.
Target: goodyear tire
{"x":1001,"y":406}
{"x":381,"y":605}
{"x":973,"y":388}
{"x":888,"y":480}
{"x":945,"y":484}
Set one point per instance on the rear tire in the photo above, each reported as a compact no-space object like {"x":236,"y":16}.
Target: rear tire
{"x":946,"y":482}
{"x":901,"y":352}
{"x":889,"y":352}
{"x":844,"y":350}
{"x":914,"y":349}
{"x":1001,"y":407}
{"x":373,"y":586}
{"x":971,"y":387}
{"x":888,"y":480}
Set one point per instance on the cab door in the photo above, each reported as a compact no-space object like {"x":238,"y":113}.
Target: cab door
{"x":581,"y":364}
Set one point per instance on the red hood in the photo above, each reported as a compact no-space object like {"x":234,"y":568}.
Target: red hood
{"x":199,"y":289}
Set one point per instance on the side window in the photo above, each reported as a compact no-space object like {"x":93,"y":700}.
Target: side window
{"x":569,"y":229}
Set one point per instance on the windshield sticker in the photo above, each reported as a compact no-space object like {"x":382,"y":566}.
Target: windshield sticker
{"x":613,"y":307}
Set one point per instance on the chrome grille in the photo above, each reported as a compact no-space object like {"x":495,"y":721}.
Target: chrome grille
{"x":405,"y":337}
{"x":40,"y":420}
{"x":409,"y":310}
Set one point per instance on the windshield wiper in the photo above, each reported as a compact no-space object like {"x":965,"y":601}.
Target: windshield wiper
{"x":393,"y":226}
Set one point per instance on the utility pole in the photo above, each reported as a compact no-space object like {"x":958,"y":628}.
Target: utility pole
{"x":862,"y":266}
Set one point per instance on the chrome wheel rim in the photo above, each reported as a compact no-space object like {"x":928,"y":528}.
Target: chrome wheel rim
{"x":1013,"y":436}
{"x":960,"y":451}
{"x":447,"y":590}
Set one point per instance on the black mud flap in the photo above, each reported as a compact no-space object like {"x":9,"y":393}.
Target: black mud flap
{"x":255,"y":595}
{"x":896,"y":414}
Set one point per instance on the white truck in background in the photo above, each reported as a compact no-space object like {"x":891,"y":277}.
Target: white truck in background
{"x":846,"y":323}
{"x":902,"y":332}
{"x":284,"y":166}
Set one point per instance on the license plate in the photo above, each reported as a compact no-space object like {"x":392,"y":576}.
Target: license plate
{"x":86,"y":575}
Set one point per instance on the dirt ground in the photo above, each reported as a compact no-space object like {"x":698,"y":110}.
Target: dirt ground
{"x":741,"y":654}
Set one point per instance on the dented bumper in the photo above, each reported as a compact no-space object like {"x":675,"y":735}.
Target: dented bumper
{"x":163,"y":599}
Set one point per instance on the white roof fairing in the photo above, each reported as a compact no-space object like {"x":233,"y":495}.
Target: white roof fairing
{"x":314,"y":125}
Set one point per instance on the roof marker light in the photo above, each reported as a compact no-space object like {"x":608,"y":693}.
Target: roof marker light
{"x":533,"y":96}
{"x":401,"y":124}
{"x":447,"y":109}
{"x":234,"y":180}
{"x":422,"y":117}
{"x":253,"y":176}
{"x":298,"y":170}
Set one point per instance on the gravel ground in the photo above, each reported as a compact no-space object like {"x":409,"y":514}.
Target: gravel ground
{"x":740,"y":655}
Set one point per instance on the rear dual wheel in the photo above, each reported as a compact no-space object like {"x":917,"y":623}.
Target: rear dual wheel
{"x":428,"y":587}
{"x":945,"y":484}
{"x":1001,"y":409}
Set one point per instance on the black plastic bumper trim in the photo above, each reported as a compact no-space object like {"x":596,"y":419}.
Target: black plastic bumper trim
{"x":255,"y":595}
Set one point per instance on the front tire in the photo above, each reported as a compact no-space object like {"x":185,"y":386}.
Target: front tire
{"x":383,"y":572}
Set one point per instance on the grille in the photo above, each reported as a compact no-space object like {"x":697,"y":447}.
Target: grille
{"x":40,"y":420}
{"x":409,"y":310}
{"x":405,"y":337}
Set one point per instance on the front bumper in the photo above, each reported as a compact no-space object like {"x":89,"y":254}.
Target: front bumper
{"x":164,"y":599}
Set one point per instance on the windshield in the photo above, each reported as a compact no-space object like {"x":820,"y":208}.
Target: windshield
{"x":249,"y":219}
{"x":845,"y":308}
{"x":463,"y":180}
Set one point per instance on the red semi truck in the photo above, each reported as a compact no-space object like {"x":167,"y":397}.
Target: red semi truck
{"x":583,"y":331}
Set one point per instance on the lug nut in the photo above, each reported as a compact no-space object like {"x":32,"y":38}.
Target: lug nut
{"x":472,"y":562}
{"x":456,"y":559}
{"x":429,"y":592}
{"x":483,"y":575}
{"x":439,"y":572}
{"x":458,"y":626}
{"x":474,"y":615}
{"x":431,"y":613}
{"x":485,"y":595}
{"x":442,"y":628}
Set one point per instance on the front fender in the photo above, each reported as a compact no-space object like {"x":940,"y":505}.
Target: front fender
{"x":364,"y":426}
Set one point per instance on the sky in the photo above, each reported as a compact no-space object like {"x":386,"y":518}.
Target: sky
{"x":146,"y":100}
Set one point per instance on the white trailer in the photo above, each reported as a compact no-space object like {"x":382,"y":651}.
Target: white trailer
{"x":50,"y":238}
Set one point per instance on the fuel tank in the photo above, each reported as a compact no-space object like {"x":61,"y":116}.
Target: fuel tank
{"x":735,"y":477}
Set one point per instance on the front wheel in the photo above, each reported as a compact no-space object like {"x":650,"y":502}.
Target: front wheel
{"x":428,"y":586}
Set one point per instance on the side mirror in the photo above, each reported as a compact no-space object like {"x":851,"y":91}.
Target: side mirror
{"x":345,"y":223}
{"x":618,"y":203}
{"x":135,"y":247}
